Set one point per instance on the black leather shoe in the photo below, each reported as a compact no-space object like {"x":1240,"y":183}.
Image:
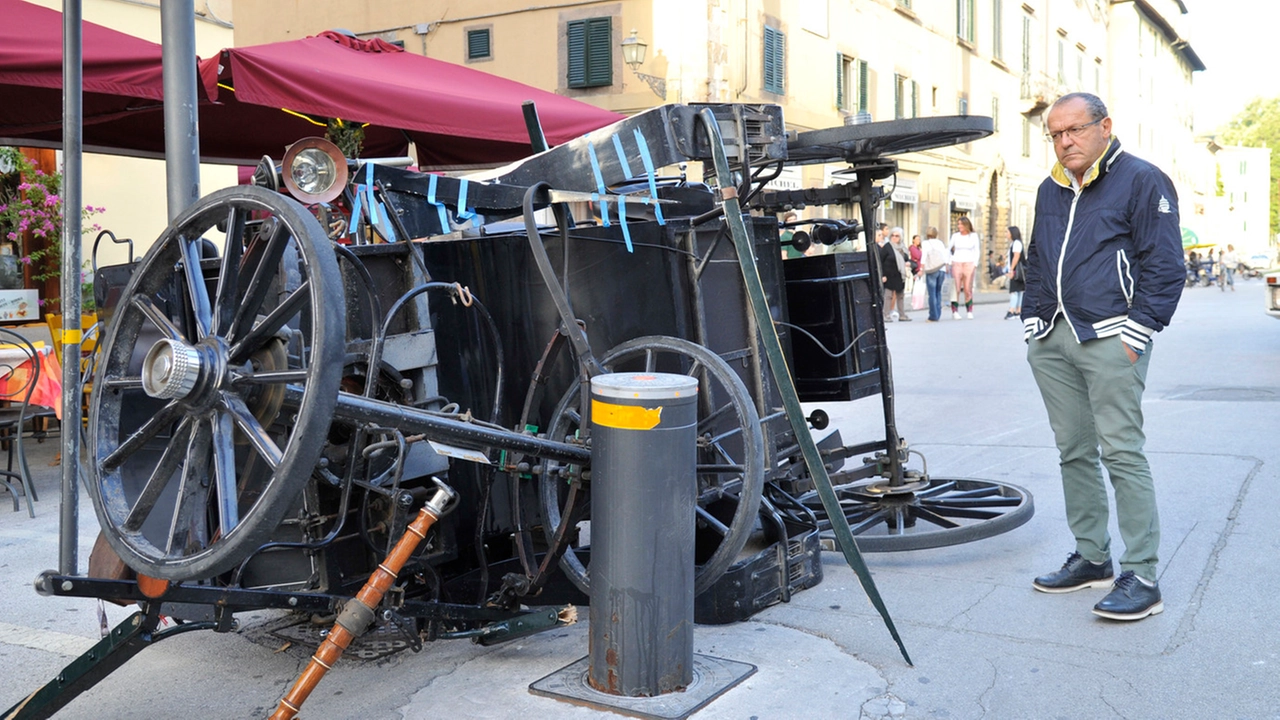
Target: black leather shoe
{"x":1076,"y":574}
{"x":1130,"y":599}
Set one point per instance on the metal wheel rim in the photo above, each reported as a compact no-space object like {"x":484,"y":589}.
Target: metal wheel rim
{"x":236,"y":476}
{"x":993,"y":507}
{"x":752,"y":438}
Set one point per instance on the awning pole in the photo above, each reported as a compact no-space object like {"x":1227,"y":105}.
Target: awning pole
{"x":72,"y":198}
{"x":181,"y":133}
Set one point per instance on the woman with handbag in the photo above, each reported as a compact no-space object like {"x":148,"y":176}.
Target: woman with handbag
{"x":1017,"y":273}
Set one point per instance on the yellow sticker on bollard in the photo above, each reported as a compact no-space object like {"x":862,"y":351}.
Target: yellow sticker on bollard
{"x":625,"y":417}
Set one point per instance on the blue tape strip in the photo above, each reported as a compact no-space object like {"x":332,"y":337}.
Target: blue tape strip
{"x":373,"y":202}
{"x":431,"y":198}
{"x":622,"y":156}
{"x":357,"y":216}
{"x":622,"y":219}
{"x":463,"y":213}
{"x":600,"y":191}
{"x":648,"y":169}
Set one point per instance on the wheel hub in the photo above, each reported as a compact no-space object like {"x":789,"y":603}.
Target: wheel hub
{"x":173,"y":369}
{"x":170,"y":369}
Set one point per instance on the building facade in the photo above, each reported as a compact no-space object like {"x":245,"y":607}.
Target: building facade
{"x":828,"y":63}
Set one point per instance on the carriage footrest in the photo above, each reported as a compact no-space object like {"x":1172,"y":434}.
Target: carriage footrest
{"x":767,"y":578}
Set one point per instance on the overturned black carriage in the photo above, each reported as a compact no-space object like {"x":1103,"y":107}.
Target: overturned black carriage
{"x":267,"y":419}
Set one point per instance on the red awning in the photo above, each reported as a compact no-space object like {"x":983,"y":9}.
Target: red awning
{"x":455,"y":115}
{"x":122,"y":73}
{"x":257,"y":100}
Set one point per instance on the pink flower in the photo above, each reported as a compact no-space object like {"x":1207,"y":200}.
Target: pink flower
{"x":24,"y":186}
{"x":26,"y":259}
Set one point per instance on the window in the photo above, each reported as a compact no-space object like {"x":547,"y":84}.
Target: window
{"x":915,"y":99}
{"x":851,"y":84}
{"x":479,"y":45}
{"x":899,"y":97}
{"x":590,"y":44}
{"x":1026,"y":137}
{"x":1026,"y":56}
{"x":904,"y":3}
{"x":964,"y":20}
{"x":995,"y":113}
{"x":1062,"y":62}
{"x":962,"y":107}
{"x":997,"y":29}
{"x":775,"y":61}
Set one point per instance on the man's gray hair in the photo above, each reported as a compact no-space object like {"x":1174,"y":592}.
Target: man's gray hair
{"x":1097,"y":108}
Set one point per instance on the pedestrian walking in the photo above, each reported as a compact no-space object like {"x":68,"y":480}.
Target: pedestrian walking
{"x":1017,"y":273}
{"x":933,"y":266}
{"x":1229,"y":262}
{"x":965,"y":253}
{"x":893,"y":275}
{"x":1089,"y":331}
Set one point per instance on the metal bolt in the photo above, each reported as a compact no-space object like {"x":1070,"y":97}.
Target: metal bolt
{"x":293,"y":602}
{"x":66,"y":586}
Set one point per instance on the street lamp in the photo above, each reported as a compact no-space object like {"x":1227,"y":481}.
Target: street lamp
{"x":633,"y":50}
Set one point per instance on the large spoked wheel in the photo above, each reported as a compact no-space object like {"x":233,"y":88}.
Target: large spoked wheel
{"x":921,"y":514}
{"x":730,"y":462}
{"x":216,"y":385}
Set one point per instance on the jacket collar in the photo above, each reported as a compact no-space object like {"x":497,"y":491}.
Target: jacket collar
{"x":1063,"y":177}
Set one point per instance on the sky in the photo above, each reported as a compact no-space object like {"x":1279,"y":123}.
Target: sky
{"x":1237,"y":42}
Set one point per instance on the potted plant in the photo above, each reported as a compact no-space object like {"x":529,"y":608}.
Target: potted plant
{"x":31,"y":228}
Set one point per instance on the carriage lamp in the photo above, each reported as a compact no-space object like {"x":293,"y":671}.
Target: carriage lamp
{"x":633,"y":51}
{"x":314,"y":170}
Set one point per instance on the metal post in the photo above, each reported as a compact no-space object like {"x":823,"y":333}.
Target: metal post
{"x":643,"y":503}
{"x":181,"y":134}
{"x":72,"y":145}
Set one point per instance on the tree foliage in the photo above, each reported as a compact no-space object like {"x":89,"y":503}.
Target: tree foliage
{"x":1258,"y":125}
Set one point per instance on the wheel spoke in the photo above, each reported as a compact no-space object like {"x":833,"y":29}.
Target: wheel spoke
{"x":132,"y":382}
{"x":169,"y":461}
{"x":712,"y":522}
{"x":270,"y":377}
{"x":945,"y":487}
{"x":153,"y":313}
{"x":261,"y":263}
{"x":924,"y":513}
{"x":224,"y":473}
{"x":193,"y":489}
{"x":707,"y":469}
{"x":870,"y":522}
{"x":253,"y":430}
{"x":141,"y":436}
{"x":271,"y":324}
{"x":227,"y":300}
{"x":197,"y":292}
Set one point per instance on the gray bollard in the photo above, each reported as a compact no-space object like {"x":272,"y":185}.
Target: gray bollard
{"x":643,"y":503}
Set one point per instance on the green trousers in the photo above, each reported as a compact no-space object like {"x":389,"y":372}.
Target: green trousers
{"x":1093,"y":395}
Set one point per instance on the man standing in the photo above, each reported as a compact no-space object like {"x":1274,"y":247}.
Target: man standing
{"x":1104,"y":273}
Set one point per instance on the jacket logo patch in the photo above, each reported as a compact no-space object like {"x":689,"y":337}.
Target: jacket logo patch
{"x":1163,"y":206}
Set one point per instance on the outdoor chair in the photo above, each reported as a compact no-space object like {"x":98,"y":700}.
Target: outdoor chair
{"x":21,"y":366}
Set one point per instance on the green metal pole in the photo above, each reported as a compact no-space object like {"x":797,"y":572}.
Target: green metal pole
{"x":782,"y":374}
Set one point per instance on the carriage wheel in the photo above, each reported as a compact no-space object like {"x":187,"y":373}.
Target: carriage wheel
{"x":216,"y":385}
{"x":925,"y":513}
{"x":730,"y":462}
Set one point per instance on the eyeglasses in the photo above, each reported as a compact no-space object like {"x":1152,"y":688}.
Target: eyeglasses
{"x":1071,"y":132}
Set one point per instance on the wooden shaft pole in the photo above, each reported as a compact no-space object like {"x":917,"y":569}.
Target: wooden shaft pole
{"x":359,"y":610}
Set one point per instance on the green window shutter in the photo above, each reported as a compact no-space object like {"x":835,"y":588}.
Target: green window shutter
{"x":775,"y":61}
{"x":600,"y":51}
{"x":577,"y":46}
{"x":915,"y":99}
{"x":590,"y":52}
{"x":863,"y":87}
{"x":840,"y":98}
{"x":478,"y":44}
